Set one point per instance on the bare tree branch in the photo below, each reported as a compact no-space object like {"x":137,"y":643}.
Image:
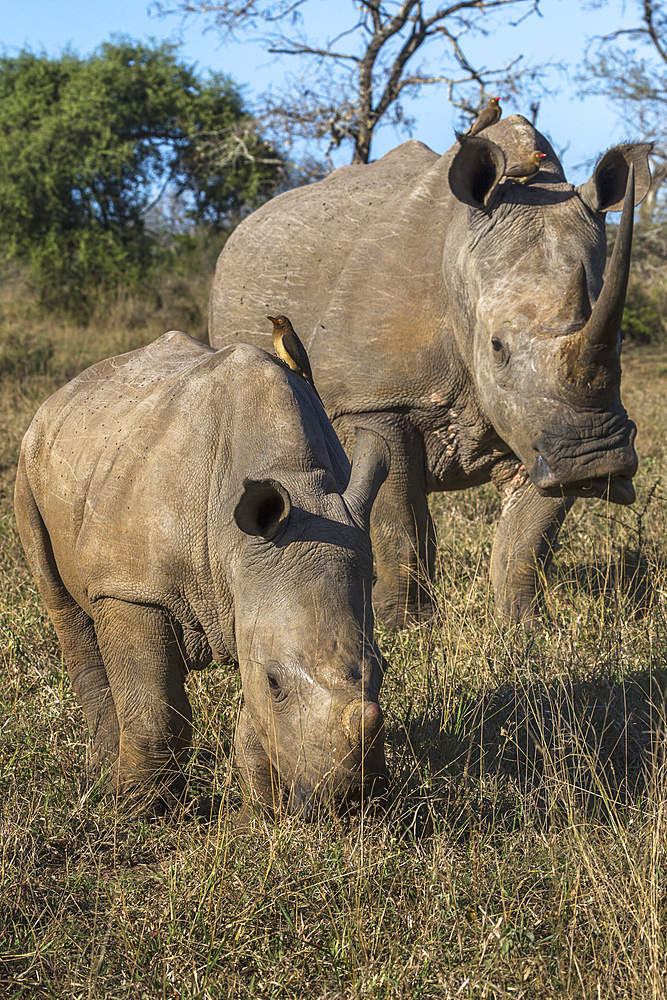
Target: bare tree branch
{"x":635,"y":80}
{"x":370,"y":72}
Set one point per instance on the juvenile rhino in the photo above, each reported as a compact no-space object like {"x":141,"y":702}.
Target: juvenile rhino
{"x":452,"y":309}
{"x":178,"y":504}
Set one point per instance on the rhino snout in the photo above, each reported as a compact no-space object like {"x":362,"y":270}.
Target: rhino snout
{"x":343,"y":789}
{"x":356,"y":770}
{"x":303,"y":799}
{"x":592,"y":459}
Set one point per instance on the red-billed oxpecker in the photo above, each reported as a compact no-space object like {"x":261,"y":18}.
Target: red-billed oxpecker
{"x":526,"y":169}
{"x":290,"y":350}
{"x":488,"y":116}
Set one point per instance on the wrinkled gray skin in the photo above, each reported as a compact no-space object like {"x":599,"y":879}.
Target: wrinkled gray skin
{"x":450,"y":307}
{"x":179,"y":504}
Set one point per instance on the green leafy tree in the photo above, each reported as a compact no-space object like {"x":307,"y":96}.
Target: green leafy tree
{"x":87,"y":148}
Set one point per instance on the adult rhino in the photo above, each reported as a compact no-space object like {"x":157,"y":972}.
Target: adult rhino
{"x":179,"y":504}
{"x":450,"y":308}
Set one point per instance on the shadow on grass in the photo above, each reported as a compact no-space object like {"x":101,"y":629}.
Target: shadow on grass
{"x":554,"y":752}
{"x":629,"y":575}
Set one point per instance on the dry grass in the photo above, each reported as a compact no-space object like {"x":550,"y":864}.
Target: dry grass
{"x":522,"y":853}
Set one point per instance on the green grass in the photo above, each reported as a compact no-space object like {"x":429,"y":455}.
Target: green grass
{"x":521,"y":854}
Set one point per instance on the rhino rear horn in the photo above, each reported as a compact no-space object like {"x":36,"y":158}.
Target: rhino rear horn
{"x":370,"y":466}
{"x":476,"y":171}
{"x":263,"y":508}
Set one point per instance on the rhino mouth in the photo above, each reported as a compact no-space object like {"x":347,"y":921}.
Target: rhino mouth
{"x":614,"y":489}
{"x":618,"y":489}
{"x":307,"y":800}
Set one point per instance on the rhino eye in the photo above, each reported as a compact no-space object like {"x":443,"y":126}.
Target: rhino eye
{"x":500,"y":353}
{"x":275,"y":686}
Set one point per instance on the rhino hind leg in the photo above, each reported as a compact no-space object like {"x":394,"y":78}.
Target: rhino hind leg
{"x":76,"y":634}
{"x":522,"y":549}
{"x":401,"y":527}
{"x":146,"y":671}
{"x":74,"y":628}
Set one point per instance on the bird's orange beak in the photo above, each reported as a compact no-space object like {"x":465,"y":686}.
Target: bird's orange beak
{"x":272,"y":320}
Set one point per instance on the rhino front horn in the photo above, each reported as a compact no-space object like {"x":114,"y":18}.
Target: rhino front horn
{"x":602,"y":329}
{"x":363,"y":722}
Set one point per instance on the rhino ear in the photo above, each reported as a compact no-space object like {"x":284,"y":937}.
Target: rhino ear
{"x":370,"y":466}
{"x":263,"y":508}
{"x":605,"y":190}
{"x":476,"y":171}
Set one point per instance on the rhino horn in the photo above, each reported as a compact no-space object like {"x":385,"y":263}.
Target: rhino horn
{"x":370,"y":466}
{"x":577,"y":294}
{"x":363,"y":722}
{"x":603,"y":327}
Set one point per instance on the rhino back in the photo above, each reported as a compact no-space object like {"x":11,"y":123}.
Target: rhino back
{"x":298,"y":243}
{"x":132,"y":461}
{"x":356,"y":261}
{"x":328,"y":255}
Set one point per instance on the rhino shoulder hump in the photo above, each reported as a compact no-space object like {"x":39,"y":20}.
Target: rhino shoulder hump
{"x":413,"y":149}
{"x":180,"y":338}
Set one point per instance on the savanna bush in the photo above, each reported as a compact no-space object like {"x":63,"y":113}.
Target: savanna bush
{"x":90,"y":146}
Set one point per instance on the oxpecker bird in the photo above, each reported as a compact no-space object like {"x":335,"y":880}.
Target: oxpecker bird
{"x":290,"y":350}
{"x":526,"y":169}
{"x":488,"y":116}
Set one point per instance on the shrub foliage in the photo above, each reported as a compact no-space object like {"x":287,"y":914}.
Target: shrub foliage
{"x":88,"y":145}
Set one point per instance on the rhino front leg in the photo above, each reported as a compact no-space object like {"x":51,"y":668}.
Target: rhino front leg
{"x":523,"y":545}
{"x":146,"y":671}
{"x":255,"y":767}
{"x":401,"y":527}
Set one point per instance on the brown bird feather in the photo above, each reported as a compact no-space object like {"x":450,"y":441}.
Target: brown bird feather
{"x":488,"y":116}
{"x":290,"y":350}
{"x":526,"y":169}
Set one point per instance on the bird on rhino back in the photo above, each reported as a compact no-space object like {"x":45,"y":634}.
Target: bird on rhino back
{"x":178,"y":505}
{"x":463,"y":315}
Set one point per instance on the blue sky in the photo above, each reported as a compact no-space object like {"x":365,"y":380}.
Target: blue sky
{"x":580,"y":128}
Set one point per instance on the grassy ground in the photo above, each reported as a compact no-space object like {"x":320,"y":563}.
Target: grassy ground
{"x":522,"y":853}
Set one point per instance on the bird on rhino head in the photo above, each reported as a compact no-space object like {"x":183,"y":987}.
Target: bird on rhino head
{"x":464,"y":316}
{"x":526,"y":168}
{"x":487,"y":116}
